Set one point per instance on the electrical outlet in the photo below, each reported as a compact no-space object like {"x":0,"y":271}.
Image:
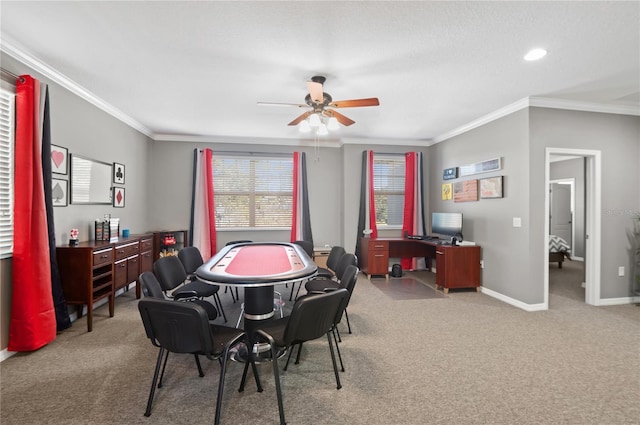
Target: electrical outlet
{"x":621,"y":271}
{"x":482,"y":264}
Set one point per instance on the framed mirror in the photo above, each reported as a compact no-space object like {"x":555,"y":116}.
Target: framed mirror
{"x":90,"y":181}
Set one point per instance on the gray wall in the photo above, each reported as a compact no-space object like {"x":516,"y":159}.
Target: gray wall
{"x":86,"y":130}
{"x":488,"y":222}
{"x":618,"y":138}
{"x":574,"y":169}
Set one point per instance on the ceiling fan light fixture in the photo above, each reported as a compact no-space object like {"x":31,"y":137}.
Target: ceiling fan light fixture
{"x":322,"y":130}
{"x":304,"y":126}
{"x":314,"y":120}
{"x":333,"y":124}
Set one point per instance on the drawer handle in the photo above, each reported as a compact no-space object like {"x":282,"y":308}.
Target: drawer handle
{"x":104,"y":256}
{"x":378,"y":246}
{"x":439,"y":252}
{"x":379,"y":255}
{"x":122,"y":266}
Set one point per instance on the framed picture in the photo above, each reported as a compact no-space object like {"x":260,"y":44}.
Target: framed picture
{"x":491,"y":187}
{"x":118,"y":197}
{"x":465,"y":191}
{"x":118,"y":173}
{"x":447,"y":191}
{"x":59,"y":160}
{"x":450,"y":173}
{"x":59,"y":192}
{"x":487,"y":166}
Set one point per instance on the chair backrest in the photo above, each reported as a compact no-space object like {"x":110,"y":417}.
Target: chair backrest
{"x":175,"y":326}
{"x":170,"y":272}
{"x":334,"y":257}
{"x":313,"y":316}
{"x":150,"y":285}
{"x":345,"y":260}
{"x":348,"y":282}
{"x":191,"y":259}
{"x":307,"y":246}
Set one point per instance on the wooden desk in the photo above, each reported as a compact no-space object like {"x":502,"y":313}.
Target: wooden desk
{"x":456,"y":266}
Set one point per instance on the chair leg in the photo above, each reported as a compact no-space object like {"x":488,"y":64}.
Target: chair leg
{"x":200,"y":372}
{"x":153,"y":383}
{"x":276,"y":375}
{"x":338,"y":333}
{"x":293,"y":287}
{"x":241,"y":314}
{"x":163,"y":368}
{"x":333,"y":360}
{"x":298,"y":355}
{"x":226,"y":288}
{"x":218,"y":302}
{"x":288,"y":358}
{"x":335,"y":339}
{"x":348,"y":323}
{"x":255,"y":374}
{"x":223,"y":370}
{"x":237,"y":294}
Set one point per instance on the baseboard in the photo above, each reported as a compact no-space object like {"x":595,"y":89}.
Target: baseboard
{"x":5,"y":354}
{"x":513,"y":301}
{"x":619,"y":301}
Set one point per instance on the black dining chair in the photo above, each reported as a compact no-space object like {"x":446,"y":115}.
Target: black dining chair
{"x":183,"y":327}
{"x":348,"y":282}
{"x":312,"y":317}
{"x":173,"y":277}
{"x":319,"y":284}
{"x":333,"y":260}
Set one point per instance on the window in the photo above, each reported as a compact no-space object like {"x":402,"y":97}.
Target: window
{"x":388,"y":186}
{"x":7,"y":125}
{"x":252,"y":192}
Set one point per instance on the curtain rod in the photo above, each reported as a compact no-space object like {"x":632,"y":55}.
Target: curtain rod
{"x":283,"y":154}
{"x":17,"y":77}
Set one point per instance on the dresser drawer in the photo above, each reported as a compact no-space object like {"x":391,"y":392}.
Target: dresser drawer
{"x":146,"y":245}
{"x":103,"y":256}
{"x":378,"y":245}
{"x":124,"y":251}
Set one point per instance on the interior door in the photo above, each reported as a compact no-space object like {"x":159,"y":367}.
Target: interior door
{"x":560,"y":216}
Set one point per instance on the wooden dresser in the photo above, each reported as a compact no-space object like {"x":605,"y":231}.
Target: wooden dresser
{"x":91,"y":271}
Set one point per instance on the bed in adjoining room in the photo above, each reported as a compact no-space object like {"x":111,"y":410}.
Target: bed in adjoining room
{"x":559,"y":249}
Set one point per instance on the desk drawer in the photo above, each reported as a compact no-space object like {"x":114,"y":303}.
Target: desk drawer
{"x":379,"y":246}
{"x":124,"y":251}
{"x":104,"y":256}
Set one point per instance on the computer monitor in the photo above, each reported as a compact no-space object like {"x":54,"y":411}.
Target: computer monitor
{"x":446,"y":223}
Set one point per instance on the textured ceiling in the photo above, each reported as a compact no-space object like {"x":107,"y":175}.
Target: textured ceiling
{"x":196,"y":70}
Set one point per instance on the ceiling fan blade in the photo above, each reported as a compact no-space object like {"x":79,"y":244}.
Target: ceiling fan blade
{"x":299,"y":105}
{"x":300,"y":118}
{"x":315,"y":90}
{"x":353,"y":103}
{"x":341,"y":118}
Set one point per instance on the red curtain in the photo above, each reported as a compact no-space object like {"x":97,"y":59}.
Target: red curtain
{"x":413,"y":214}
{"x":372,"y":198}
{"x":203,"y":231}
{"x":33,"y":321}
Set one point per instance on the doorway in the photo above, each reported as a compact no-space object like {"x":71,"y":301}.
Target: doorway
{"x":592,"y":220}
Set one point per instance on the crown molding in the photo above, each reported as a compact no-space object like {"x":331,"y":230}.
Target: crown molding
{"x":330,"y":143}
{"x":54,"y":75}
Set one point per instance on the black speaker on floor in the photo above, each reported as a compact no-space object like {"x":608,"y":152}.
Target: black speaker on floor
{"x":396,"y":270}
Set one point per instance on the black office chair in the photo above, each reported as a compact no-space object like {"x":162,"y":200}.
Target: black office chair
{"x":191,"y":259}
{"x":180,"y":327}
{"x":333,"y":260}
{"x":237,"y":295}
{"x":173,"y":277}
{"x":311,"y":318}
{"x":348,"y":282}
{"x":319,"y":285}
{"x":152,"y":289}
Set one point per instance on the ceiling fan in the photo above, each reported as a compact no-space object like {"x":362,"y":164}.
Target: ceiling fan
{"x":322,"y":104}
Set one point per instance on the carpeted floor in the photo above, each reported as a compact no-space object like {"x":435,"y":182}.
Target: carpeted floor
{"x":465,"y":358}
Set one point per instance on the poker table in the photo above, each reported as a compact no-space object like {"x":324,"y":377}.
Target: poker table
{"x":257,"y":267}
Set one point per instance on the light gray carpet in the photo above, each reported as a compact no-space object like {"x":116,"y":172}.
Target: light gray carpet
{"x":462,"y":359}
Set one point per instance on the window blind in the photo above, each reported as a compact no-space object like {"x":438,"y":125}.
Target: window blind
{"x":7,"y":134}
{"x":253,"y":192}
{"x":388,"y":186}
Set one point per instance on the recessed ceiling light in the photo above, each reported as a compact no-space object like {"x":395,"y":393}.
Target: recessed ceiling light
{"x":535,"y":54}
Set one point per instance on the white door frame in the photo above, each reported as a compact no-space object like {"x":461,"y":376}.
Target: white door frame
{"x":593,"y":221}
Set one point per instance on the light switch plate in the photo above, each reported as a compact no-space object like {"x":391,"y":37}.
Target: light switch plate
{"x":517,"y":222}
